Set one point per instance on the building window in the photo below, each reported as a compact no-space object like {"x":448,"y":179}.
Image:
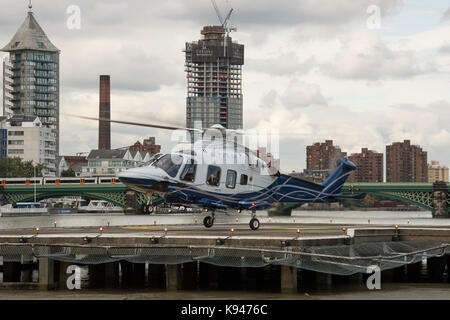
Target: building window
{"x":15,"y":142}
{"x":15,"y":133}
{"x":213,"y":176}
{"x":15,"y":151}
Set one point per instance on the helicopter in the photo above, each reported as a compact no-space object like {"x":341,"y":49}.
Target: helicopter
{"x":218,"y":174}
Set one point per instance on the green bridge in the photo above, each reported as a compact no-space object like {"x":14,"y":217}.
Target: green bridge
{"x":433,"y":197}
{"x":117,"y":194}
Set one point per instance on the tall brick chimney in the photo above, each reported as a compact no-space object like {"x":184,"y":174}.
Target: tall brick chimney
{"x":104,"y":128}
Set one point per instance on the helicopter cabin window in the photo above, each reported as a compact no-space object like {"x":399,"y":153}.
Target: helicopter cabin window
{"x":244,"y":179}
{"x":231,"y":179}
{"x":188,"y":173}
{"x":213,"y":176}
{"x":170,"y":163}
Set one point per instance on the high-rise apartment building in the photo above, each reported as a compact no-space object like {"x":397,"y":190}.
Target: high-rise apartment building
{"x":3,"y":138}
{"x":436,"y":172}
{"x":213,"y":68}
{"x":323,"y":156}
{"x":369,"y":166}
{"x":406,"y":163}
{"x":31,"y":76}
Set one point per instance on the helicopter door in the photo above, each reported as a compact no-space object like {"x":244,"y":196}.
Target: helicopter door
{"x":188,"y":173}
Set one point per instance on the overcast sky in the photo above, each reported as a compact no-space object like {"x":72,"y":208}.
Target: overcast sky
{"x":318,"y":68}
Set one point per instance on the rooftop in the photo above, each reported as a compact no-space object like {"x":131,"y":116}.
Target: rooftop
{"x":30,"y":36}
{"x":107,"y":154}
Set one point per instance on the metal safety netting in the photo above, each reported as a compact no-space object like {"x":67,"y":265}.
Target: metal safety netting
{"x":339,"y":259}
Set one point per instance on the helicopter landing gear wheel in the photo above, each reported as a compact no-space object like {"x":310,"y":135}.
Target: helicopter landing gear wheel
{"x":208,"y":221}
{"x":254,"y":224}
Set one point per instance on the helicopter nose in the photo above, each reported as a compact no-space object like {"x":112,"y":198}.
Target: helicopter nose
{"x":144,"y":178}
{"x":135,"y":176}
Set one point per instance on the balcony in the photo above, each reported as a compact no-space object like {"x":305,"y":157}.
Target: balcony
{"x":49,"y":157}
{"x":49,"y":165}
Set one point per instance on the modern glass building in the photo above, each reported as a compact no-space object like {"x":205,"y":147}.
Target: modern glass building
{"x":31,"y":76}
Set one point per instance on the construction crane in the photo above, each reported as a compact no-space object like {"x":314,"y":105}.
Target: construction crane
{"x":224,"y":23}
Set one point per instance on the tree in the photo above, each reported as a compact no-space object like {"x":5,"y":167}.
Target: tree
{"x":368,"y":201}
{"x":68,"y":173}
{"x":17,"y":168}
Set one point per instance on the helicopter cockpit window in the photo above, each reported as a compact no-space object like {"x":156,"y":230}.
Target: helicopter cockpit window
{"x":188,"y":173}
{"x":152,"y":159}
{"x":170,"y":163}
{"x":213,"y":176}
{"x":244,"y":179}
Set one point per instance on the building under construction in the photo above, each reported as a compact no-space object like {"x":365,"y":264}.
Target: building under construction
{"x":214,"y":75}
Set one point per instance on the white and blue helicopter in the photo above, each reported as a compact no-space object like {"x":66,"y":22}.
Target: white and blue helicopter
{"x":219,"y":174}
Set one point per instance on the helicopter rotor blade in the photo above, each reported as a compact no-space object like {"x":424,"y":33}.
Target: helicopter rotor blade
{"x":148,"y":125}
{"x":238,"y":132}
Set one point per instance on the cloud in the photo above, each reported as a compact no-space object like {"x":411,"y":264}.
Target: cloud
{"x":269,"y":13}
{"x":446,"y":15}
{"x":131,"y":67}
{"x":298,"y":94}
{"x":445,"y":49}
{"x":282,"y":65}
{"x":365,"y":56}
{"x":301,"y":94}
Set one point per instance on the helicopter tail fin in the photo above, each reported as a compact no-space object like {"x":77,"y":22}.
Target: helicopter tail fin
{"x":333,"y":185}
